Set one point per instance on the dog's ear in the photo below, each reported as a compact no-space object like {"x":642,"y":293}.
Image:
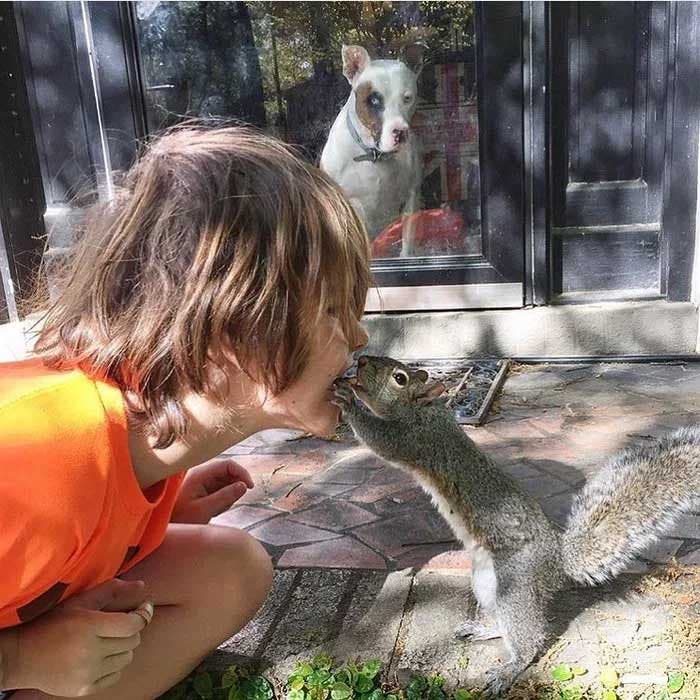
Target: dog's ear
{"x":413,"y":55}
{"x":355,"y":60}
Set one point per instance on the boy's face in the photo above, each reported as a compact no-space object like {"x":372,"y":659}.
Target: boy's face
{"x":306,"y":404}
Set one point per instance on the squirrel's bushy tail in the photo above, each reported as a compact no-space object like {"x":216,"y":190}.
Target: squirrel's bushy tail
{"x":630,"y":503}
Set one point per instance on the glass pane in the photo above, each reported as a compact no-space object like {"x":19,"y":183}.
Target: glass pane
{"x":398,"y":131}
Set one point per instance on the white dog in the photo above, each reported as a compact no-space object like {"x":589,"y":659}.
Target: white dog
{"x":371,"y":151}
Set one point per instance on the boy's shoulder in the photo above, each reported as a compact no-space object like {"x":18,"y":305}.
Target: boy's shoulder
{"x":39,"y":404}
{"x":61,"y":440}
{"x":23,"y":380}
{"x":60,"y":434}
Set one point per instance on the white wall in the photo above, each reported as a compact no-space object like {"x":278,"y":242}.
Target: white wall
{"x":15,"y":340}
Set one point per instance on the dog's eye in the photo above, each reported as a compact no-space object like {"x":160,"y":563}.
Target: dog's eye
{"x":408,"y":98}
{"x":401,"y":378}
{"x":374,"y":99}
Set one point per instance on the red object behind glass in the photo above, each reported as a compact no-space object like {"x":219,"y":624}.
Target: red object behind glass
{"x":437,"y":231}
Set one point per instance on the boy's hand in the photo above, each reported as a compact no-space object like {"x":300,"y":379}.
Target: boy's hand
{"x":82,"y":645}
{"x":210,"y":489}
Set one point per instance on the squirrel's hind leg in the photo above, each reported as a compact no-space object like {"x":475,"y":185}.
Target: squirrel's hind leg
{"x":477,"y":631}
{"x":485,"y":590}
{"x":520,"y":612}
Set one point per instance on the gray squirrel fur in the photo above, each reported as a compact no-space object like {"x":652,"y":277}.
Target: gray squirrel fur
{"x":520,"y":559}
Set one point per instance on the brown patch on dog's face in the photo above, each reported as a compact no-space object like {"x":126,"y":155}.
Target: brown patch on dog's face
{"x":369,"y":106}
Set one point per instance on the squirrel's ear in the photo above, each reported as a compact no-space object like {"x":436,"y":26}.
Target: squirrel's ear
{"x":433,"y":393}
{"x":421,"y":375}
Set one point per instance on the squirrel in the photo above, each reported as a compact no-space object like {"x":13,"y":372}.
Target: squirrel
{"x":520,"y":559}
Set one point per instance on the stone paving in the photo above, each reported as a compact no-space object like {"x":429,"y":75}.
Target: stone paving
{"x":366,"y":567}
{"x":333,"y":504}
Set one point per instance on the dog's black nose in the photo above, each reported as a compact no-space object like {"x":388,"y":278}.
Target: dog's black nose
{"x":400,"y":135}
{"x":361,"y":361}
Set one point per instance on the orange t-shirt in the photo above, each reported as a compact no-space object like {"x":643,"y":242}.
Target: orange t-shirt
{"x":72,"y":514}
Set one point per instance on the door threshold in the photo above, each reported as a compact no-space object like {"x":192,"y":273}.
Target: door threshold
{"x":446,"y":297}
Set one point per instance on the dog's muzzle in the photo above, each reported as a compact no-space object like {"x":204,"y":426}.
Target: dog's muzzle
{"x":371,"y":153}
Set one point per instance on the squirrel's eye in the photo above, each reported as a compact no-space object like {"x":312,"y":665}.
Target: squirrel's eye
{"x":401,"y":378}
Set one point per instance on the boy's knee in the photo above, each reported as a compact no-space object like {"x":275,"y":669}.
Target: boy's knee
{"x":241,"y":562}
{"x":259,"y":566}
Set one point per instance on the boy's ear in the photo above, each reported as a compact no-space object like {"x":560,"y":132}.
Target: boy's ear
{"x":432,"y":394}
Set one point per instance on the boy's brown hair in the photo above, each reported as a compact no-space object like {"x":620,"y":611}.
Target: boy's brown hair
{"x":219,"y":239}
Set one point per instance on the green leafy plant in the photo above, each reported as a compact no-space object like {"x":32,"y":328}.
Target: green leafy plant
{"x":318,"y":680}
{"x":322,"y":679}
{"x":426,"y":688}
{"x":562,"y":673}
{"x":462,"y":694}
{"x":610,"y":681}
{"x":565,"y":688}
{"x":675,"y":683}
{"x":233,"y":684}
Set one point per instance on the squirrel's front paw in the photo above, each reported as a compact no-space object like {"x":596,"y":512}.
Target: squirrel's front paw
{"x":343,"y":394}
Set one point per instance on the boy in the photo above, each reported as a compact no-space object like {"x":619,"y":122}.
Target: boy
{"x":219,"y":294}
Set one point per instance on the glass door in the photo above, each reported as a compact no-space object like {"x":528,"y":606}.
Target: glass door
{"x":414,"y":108}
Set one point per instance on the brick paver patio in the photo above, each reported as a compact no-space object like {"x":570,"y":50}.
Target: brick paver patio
{"x":333,"y":505}
{"x":367,"y":569}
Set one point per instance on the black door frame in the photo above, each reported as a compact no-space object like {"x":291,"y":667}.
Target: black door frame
{"x":679,"y":159}
{"x":22,"y":202}
{"x":536,"y":77}
{"x":499,"y":103}
{"x":682,"y":143}
{"x":113,"y":29}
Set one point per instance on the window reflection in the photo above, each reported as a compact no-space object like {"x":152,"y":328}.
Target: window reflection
{"x":392,"y":117}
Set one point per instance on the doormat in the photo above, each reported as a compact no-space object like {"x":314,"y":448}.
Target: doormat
{"x":472,"y":385}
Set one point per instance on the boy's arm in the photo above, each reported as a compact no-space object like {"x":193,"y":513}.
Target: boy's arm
{"x":9,"y":640}
{"x":67,"y":651}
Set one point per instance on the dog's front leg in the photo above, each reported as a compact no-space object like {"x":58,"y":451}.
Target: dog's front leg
{"x":360,"y":211}
{"x":408,"y":229}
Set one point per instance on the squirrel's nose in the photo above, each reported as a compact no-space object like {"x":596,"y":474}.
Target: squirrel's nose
{"x":361,"y":361}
